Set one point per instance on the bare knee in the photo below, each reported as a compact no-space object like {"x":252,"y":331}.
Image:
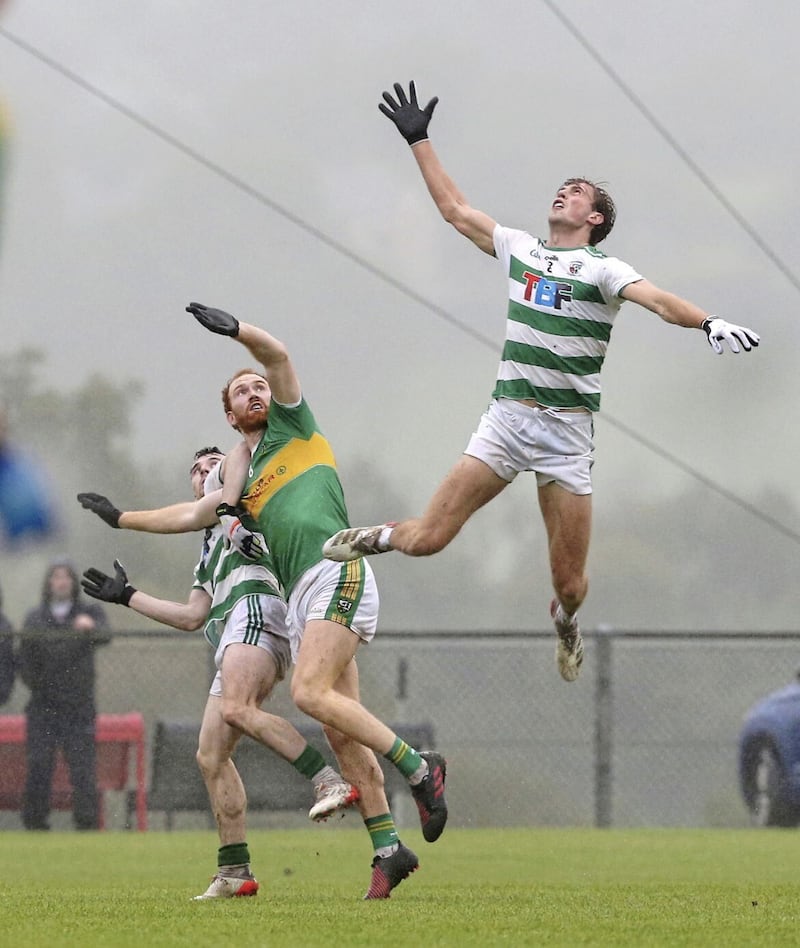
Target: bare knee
{"x":424,"y":539}
{"x":234,"y":714}
{"x":210,"y":761}
{"x":570,"y":589}
{"x":308,"y":697}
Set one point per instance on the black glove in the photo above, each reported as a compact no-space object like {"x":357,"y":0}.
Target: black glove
{"x":216,"y":320}
{"x":116,"y":589}
{"x":410,"y":119}
{"x":102,"y":506}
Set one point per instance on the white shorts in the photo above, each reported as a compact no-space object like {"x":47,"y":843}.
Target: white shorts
{"x":259,"y":621}
{"x":557,"y":445}
{"x":339,"y":592}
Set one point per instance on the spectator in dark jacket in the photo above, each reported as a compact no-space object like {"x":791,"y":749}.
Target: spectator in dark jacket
{"x":56,"y":662}
{"x":7,"y":661}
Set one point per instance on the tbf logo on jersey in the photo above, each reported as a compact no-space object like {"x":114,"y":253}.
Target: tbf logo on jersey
{"x":545,"y":292}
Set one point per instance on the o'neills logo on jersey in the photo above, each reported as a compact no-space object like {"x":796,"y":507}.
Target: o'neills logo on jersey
{"x":344,"y":606}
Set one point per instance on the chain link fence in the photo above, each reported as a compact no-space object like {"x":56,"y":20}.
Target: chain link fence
{"x":647,"y":736}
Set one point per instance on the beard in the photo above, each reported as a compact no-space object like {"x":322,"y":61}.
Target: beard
{"x":252,"y":420}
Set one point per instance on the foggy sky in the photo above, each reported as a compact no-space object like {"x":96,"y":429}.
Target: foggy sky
{"x":109,"y":230}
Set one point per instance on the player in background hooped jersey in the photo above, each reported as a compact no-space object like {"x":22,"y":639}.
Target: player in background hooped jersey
{"x":238,"y":604}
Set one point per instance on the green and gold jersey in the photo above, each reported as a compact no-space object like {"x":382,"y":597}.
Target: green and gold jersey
{"x":561,"y":308}
{"x":293,"y":491}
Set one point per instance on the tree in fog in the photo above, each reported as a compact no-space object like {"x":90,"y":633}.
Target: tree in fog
{"x":79,"y":440}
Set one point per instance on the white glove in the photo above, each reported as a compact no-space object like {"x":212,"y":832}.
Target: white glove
{"x":718,"y":331}
{"x":251,"y":545}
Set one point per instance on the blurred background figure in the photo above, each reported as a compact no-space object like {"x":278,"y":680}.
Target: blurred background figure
{"x":26,"y":510}
{"x":7,"y":660}
{"x":57,"y":662}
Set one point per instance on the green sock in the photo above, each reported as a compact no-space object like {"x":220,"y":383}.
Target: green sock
{"x":381,"y":831}
{"x":310,"y":762}
{"x":405,"y":758}
{"x":234,"y":854}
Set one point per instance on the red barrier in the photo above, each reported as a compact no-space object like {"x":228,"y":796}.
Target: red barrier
{"x":116,"y":736}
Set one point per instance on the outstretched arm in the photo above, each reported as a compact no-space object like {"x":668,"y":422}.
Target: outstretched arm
{"x":680,"y":312}
{"x":269,"y":351}
{"x":251,"y":545}
{"x":274,"y":356}
{"x":116,"y":589}
{"x":187,"y":616}
{"x":412,"y":123}
{"x":177,"y":518}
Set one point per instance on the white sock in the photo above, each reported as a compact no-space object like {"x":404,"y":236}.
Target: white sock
{"x":326,"y":775}
{"x":563,"y":616}
{"x":384,"y":851}
{"x":419,"y":774}
{"x":384,"y":540}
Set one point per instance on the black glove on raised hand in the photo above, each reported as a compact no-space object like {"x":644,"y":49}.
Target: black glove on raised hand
{"x":216,"y":320}
{"x":410,"y":119}
{"x":102,"y":506}
{"x":115,"y":589}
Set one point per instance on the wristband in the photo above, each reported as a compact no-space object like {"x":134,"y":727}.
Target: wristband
{"x":227,"y":510}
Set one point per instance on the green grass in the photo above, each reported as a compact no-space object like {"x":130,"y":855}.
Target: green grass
{"x":475,"y":887}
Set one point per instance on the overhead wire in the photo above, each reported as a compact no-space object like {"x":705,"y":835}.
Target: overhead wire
{"x":673,"y":143}
{"x":403,"y":288}
{"x":239,"y":183}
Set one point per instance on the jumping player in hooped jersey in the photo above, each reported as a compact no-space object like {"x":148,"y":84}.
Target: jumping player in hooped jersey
{"x":564,"y":294}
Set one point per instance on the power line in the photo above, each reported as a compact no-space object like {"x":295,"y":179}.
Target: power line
{"x":703,"y":479}
{"x":673,"y":143}
{"x":403,"y":288}
{"x":240,"y":184}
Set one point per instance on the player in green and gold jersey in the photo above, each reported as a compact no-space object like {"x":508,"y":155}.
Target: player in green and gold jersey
{"x":294,"y":495}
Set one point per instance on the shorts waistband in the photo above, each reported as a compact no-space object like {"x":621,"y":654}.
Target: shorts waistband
{"x":537,"y":406}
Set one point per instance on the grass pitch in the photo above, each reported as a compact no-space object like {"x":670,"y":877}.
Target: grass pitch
{"x":539,"y":887}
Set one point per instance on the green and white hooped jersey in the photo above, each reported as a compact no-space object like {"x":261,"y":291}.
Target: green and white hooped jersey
{"x":561,"y":308}
{"x":227,"y":576}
